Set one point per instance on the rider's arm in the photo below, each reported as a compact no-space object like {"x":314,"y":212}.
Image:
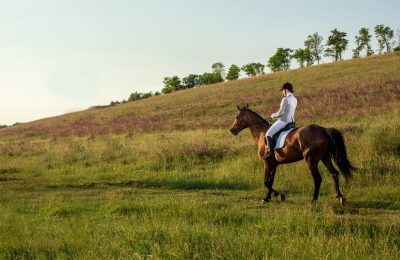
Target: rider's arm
{"x":278,"y":114}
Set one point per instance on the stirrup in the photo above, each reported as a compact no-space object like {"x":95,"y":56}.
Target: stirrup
{"x":269,"y":156}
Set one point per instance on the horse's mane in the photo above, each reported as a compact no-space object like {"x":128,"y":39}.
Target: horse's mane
{"x":259,"y":117}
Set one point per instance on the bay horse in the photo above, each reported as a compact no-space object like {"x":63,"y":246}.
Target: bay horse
{"x":312,"y":143}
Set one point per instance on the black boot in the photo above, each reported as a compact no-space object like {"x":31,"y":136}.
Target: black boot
{"x":270,"y":145}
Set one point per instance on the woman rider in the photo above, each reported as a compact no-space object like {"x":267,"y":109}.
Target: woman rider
{"x":285,"y":115}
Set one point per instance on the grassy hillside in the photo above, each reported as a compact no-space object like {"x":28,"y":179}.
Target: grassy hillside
{"x":164,"y":178}
{"x":331,"y":91}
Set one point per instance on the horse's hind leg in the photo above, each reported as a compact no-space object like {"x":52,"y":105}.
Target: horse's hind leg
{"x":313,"y":167}
{"x":335,"y":175}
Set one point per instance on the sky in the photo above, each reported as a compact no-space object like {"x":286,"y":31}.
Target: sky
{"x":60,"y":56}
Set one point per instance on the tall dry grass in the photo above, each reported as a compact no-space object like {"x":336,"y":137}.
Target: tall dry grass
{"x":356,"y":87}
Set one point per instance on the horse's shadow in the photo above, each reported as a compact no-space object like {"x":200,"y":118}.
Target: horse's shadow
{"x":162,"y":184}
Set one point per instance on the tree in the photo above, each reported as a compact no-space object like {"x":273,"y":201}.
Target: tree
{"x":191,"y":81}
{"x":280,"y":60}
{"x":274,"y":63}
{"x":313,"y":43}
{"x":384,"y":35}
{"x":210,"y":78}
{"x":233,"y":72}
{"x":249,"y":70}
{"x":219,"y":68}
{"x":303,"y":56}
{"x":135,"y":96}
{"x":147,"y":95}
{"x":253,"y":69}
{"x":337,"y":43}
{"x":171,"y":84}
{"x":363,"y":41}
{"x":115,"y":103}
{"x":259,"y":68}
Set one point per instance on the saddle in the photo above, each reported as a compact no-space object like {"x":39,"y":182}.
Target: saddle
{"x":285,"y":128}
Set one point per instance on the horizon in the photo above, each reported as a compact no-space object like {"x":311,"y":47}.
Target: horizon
{"x":58,"y":57}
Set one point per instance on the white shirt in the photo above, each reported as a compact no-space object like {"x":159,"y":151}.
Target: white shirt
{"x":287,"y":109}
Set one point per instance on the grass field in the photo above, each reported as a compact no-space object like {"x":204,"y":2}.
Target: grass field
{"x":164,"y":178}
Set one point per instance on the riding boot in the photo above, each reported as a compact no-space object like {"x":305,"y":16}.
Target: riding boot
{"x":270,"y":144}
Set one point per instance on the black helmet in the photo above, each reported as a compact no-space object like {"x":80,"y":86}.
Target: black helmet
{"x":288,"y":86}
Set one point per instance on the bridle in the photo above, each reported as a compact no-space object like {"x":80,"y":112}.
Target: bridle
{"x":240,"y":121}
{"x":242,"y":125}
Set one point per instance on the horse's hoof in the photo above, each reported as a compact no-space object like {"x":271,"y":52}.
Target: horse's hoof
{"x":266,"y":200}
{"x":342,"y":201}
{"x":314,"y":201}
{"x":283,"y":198}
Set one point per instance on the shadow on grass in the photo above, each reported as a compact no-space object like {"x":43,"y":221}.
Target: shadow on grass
{"x":5,"y":179}
{"x":89,"y":185}
{"x":165,"y":184}
{"x":357,"y":207}
{"x":10,"y":170}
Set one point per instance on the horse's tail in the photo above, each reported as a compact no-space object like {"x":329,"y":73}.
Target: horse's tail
{"x":337,"y":149}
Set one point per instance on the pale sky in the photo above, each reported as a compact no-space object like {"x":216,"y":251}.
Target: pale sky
{"x":59,"y":56}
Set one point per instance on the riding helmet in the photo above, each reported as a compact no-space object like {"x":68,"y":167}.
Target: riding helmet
{"x":288,"y":86}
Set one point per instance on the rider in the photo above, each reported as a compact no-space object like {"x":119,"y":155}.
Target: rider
{"x":285,"y":115}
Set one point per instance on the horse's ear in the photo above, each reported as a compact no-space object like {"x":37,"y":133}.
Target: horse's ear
{"x":247,"y":106}
{"x":238,"y":107}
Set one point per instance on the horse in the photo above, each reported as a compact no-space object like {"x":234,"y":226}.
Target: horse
{"x":312,"y":143}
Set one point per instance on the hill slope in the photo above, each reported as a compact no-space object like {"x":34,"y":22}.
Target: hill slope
{"x":349,"y":88}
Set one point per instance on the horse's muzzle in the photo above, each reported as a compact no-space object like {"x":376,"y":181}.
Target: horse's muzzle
{"x":234,"y":131}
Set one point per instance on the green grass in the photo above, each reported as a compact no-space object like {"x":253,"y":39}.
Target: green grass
{"x":198,"y":195}
{"x":187,"y":193}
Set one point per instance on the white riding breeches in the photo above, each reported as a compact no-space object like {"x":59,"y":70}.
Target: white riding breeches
{"x":275,"y":127}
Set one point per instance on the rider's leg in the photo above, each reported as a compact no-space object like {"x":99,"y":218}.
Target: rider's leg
{"x":278,"y":125}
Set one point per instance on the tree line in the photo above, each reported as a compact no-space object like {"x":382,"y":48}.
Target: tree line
{"x":311,"y":53}
{"x":334,"y":47}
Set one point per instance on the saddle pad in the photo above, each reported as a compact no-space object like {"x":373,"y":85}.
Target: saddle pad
{"x":281,"y":139}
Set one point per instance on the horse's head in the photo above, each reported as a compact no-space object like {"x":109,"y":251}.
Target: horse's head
{"x":240,"y":122}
